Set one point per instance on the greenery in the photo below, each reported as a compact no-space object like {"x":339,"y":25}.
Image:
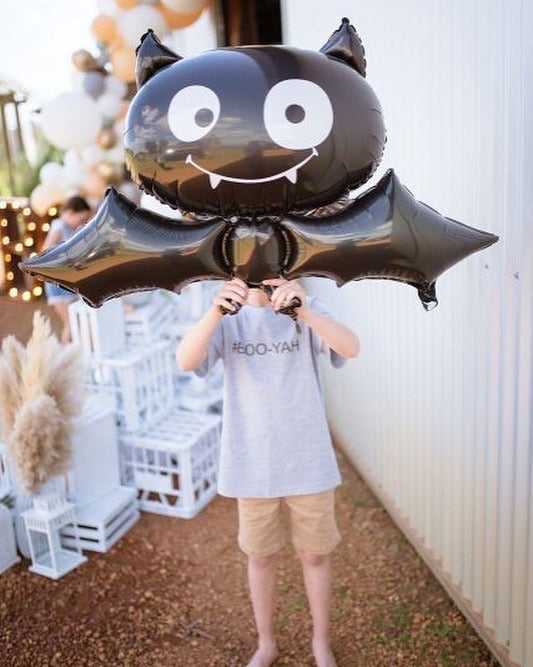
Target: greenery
{"x":26,"y":175}
{"x":8,"y":500}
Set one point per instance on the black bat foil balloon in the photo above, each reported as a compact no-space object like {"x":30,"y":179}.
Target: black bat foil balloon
{"x":260,"y":146}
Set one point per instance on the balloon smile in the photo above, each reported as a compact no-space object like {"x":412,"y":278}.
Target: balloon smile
{"x":290,"y":174}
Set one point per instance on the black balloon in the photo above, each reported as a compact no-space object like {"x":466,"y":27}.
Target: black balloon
{"x":263,"y":141}
{"x":254,"y":130}
{"x":127,"y":249}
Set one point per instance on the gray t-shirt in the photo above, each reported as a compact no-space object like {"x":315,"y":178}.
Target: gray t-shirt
{"x":275,"y":437}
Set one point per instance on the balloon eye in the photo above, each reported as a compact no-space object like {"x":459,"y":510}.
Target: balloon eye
{"x":193,"y":112}
{"x":204,"y":117}
{"x":294,"y":113}
{"x":297,"y":114}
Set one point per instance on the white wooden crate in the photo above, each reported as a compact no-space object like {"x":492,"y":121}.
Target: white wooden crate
{"x":175,"y":466}
{"x":95,"y":468}
{"x":140,"y":380}
{"x":102,"y":522}
{"x":100,"y":331}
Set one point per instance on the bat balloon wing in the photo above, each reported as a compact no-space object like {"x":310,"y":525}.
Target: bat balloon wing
{"x":126,"y":249}
{"x":384,"y":233}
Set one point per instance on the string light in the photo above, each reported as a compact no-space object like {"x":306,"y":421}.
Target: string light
{"x":5,"y":240}
{"x":7,"y":257}
{"x":3,"y":222}
{"x":28,"y":242}
{"x":31,"y":226}
{"x":13,"y":292}
{"x":26,"y":211}
{"x":37,"y":290}
{"x":19,"y":247}
{"x":10,"y":275}
{"x":52,"y":211}
{"x":45,"y":226}
{"x":26,"y":296}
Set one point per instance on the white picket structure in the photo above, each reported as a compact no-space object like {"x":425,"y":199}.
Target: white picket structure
{"x":437,"y":411}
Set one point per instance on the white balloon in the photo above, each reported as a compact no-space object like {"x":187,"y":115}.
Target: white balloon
{"x":76,"y":79}
{"x":115,"y":86}
{"x":152,"y":204}
{"x":71,"y":120}
{"x":74,"y":171}
{"x":118,"y":128}
{"x":109,"y":105}
{"x":115,"y":154}
{"x":184,"y":6}
{"x":108,"y":7}
{"x":133,"y":23}
{"x":91,"y":155}
{"x":51,"y":173}
{"x":45,"y":196}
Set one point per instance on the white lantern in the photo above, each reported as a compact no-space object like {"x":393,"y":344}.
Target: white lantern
{"x":51,"y":512}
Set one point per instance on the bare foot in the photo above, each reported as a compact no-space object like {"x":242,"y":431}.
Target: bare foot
{"x":323,"y":654}
{"x":265,"y":656}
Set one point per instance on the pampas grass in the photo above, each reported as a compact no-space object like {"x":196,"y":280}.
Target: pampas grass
{"x":11,"y":361}
{"x":41,"y":391}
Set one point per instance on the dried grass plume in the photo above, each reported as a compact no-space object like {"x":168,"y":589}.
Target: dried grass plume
{"x":41,"y":391}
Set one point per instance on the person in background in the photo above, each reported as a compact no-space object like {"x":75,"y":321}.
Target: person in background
{"x":75,"y":212}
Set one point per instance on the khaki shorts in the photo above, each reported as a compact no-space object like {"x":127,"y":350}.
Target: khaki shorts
{"x":263,"y":523}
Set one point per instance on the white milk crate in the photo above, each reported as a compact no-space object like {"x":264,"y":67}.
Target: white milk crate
{"x":100,"y":331}
{"x":150,"y":321}
{"x":102,"y":522}
{"x":94,"y":468}
{"x":174,"y":467}
{"x":140,"y":380}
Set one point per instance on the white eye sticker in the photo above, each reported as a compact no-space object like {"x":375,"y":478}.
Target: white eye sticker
{"x":193,"y":112}
{"x":297,"y":114}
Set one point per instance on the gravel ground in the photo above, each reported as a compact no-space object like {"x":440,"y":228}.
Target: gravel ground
{"x":173,"y":593}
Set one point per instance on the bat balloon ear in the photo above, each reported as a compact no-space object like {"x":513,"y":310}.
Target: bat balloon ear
{"x":151,"y":57}
{"x":346,"y":45}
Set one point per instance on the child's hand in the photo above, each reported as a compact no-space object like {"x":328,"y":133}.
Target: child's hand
{"x":232,"y":296}
{"x":285,"y":293}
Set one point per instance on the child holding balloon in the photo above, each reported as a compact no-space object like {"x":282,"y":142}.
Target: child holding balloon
{"x":276,"y":451}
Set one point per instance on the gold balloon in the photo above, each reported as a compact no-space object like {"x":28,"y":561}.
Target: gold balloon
{"x":175,"y":20}
{"x":104,"y":28}
{"x":123,"y":63}
{"x":106,"y":138}
{"x":84,"y":61}
{"x":94,"y":185}
{"x":110,"y":173}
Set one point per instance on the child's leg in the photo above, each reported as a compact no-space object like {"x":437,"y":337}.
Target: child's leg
{"x":315,"y":535}
{"x":317,"y":577}
{"x":262,"y":582}
{"x":260,"y":537}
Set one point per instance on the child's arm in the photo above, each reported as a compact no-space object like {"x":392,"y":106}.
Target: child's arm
{"x":193,"y":347}
{"x":337,"y":336}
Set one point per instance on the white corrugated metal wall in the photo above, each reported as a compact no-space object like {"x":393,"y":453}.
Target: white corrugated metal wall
{"x":437,"y":411}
